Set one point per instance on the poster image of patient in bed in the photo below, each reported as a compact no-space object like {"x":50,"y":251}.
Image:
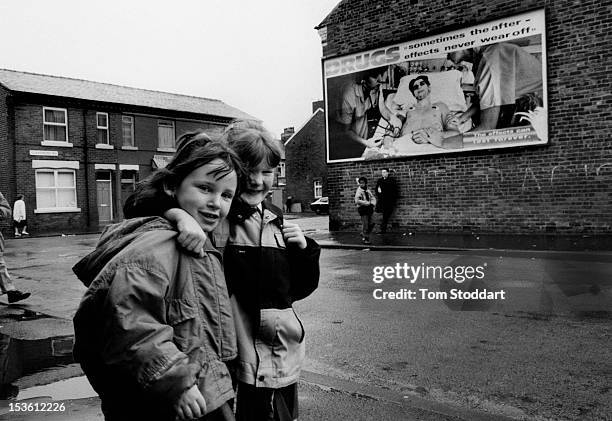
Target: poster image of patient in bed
{"x":480,"y":93}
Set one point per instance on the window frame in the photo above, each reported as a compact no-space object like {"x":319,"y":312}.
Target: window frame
{"x":55,"y":188}
{"x":160,"y":123}
{"x":50,"y":142}
{"x":107,"y":128}
{"x":318,"y":185}
{"x":131,"y":146}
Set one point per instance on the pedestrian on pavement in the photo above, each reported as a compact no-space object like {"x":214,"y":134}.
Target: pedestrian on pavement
{"x":386,"y":195}
{"x":365,"y":201}
{"x":155,"y":329}
{"x":6,"y":284}
{"x":19,"y":216}
{"x":269,"y":264}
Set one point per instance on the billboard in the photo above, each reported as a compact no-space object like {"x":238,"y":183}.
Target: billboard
{"x":480,"y":87}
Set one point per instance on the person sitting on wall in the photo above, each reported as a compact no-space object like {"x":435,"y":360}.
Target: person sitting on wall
{"x":351,"y":133}
{"x":426,"y":122}
{"x":508,"y":79}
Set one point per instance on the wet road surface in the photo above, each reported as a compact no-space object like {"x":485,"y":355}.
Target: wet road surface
{"x":541,"y":353}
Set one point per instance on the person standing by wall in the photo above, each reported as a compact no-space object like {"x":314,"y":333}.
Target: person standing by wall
{"x":19,"y":216}
{"x":6,"y":285}
{"x":365,"y":201}
{"x":386,"y":194}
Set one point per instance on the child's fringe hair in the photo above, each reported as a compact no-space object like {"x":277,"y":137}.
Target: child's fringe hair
{"x":253,"y":143}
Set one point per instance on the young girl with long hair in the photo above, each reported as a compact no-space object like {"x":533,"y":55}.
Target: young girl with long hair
{"x":155,"y":327}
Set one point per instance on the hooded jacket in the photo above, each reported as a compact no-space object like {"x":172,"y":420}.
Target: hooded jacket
{"x":154,"y":321}
{"x":265,"y":276}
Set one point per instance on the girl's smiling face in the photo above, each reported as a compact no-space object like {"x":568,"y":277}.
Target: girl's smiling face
{"x":206,"y":194}
{"x":258,"y":183}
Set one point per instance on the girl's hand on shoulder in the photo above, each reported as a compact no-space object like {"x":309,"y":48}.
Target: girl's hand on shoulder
{"x":293,"y":234}
{"x":191,"y":404}
{"x":191,"y":235}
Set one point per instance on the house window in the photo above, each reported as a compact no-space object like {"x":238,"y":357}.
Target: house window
{"x":102,"y":128}
{"x":281,"y":169}
{"x":128,"y":130}
{"x":55,"y":190}
{"x":318,"y":189}
{"x":55,"y":124}
{"x":165,"y":131}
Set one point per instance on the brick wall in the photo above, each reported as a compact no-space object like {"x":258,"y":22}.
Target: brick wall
{"x":563,"y":187}
{"x":28,"y":136}
{"x":305,"y":161}
{"x":6,"y":151}
{"x":27,"y":114}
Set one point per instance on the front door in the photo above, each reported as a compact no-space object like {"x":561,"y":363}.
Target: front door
{"x":104,"y":198}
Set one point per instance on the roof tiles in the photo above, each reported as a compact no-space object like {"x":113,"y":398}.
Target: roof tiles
{"x":105,"y":92}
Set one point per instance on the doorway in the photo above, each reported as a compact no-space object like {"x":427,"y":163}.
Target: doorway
{"x":104,"y":197}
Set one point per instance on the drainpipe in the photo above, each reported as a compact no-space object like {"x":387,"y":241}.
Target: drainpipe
{"x":86,"y":165}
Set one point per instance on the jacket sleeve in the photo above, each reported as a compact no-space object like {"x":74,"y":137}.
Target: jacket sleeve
{"x":137,"y":337}
{"x":5,"y":209}
{"x":304,"y":265}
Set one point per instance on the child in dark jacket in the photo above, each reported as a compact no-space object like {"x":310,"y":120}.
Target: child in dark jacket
{"x":155,"y":328}
{"x":269,"y":264}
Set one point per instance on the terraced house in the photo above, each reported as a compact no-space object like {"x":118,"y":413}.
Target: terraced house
{"x":76,"y":148}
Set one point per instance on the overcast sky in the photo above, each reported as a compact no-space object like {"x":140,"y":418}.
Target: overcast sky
{"x":263,"y":57}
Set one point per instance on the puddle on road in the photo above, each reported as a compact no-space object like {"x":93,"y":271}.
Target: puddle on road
{"x":20,"y":358}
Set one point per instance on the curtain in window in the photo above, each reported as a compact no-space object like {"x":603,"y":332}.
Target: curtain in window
{"x":166,"y":135}
{"x":55,"y":116}
{"x":128,"y":132}
{"x":102,"y":136}
{"x":57,"y":133}
{"x":54,"y":125}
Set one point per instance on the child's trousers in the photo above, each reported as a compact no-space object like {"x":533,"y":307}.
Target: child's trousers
{"x":264,"y":404}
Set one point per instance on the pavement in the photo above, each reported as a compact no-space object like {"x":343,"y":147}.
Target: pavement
{"x":397,"y":239}
{"x":39,"y":262}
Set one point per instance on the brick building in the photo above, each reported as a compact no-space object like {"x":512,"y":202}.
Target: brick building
{"x":561,"y":187}
{"x":76,"y":148}
{"x":305,"y":159}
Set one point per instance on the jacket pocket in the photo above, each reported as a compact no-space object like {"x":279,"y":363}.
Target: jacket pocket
{"x":182,"y":317}
{"x":280,"y":327}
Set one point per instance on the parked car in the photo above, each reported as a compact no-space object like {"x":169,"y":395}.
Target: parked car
{"x":320,"y":205}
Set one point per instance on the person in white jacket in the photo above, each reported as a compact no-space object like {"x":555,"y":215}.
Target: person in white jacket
{"x":19,"y":216}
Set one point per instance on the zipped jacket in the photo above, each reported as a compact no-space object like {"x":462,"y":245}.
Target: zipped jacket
{"x":265,"y":277}
{"x":155,"y":321}
{"x":364,"y":197}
